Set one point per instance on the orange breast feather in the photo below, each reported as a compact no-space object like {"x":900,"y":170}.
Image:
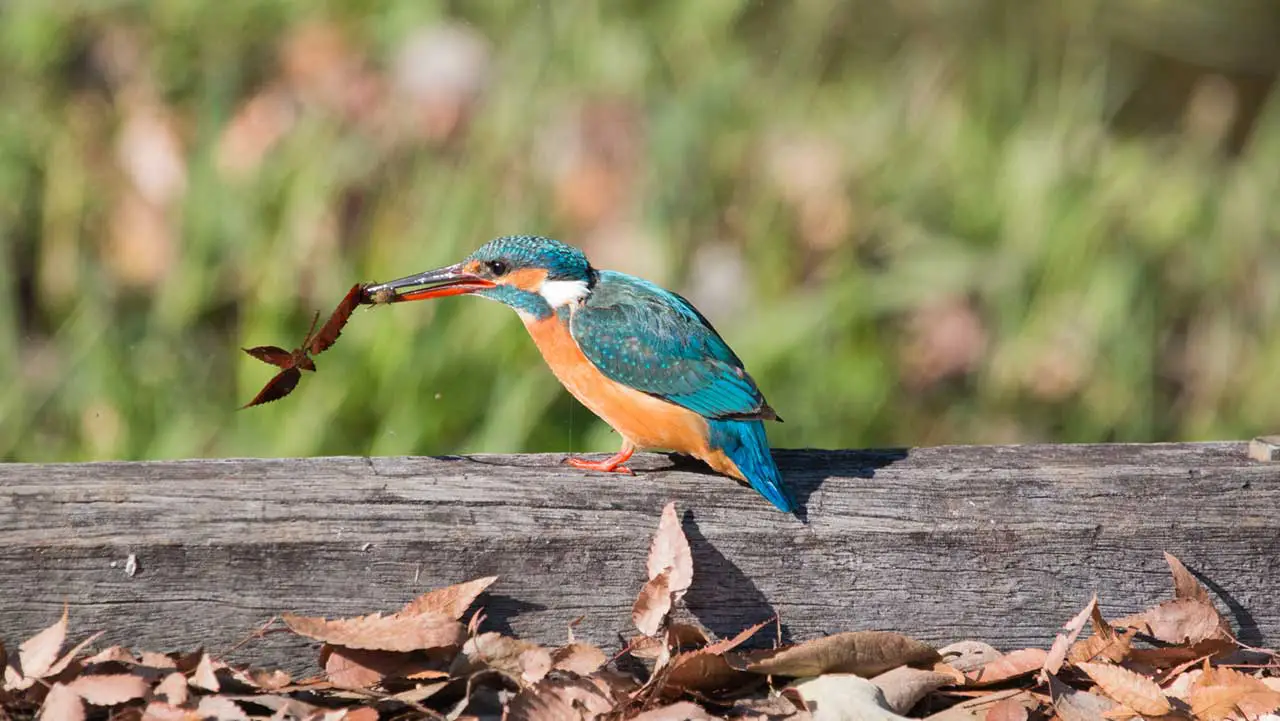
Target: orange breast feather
{"x":645,"y":421}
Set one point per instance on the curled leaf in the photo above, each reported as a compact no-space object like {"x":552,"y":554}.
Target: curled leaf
{"x":670,"y":550}
{"x":580,"y":658}
{"x":865,"y":653}
{"x":1184,"y":620}
{"x":903,"y":687}
{"x":1185,"y":584}
{"x":653,"y":604}
{"x":62,"y":704}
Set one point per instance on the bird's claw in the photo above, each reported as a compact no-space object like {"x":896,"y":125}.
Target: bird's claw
{"x":608,"y":465}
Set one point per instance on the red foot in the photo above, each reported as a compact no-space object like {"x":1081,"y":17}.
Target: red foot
{"x":608,"y":465}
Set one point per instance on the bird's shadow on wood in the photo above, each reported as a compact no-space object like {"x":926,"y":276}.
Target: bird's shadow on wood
{"x":722,"y":597}
{"x":804,"y":471}
{"x":1248,"y":632}
{"x":500,"y":610}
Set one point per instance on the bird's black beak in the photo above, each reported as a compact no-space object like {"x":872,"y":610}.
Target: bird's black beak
{"x":450,"y":280}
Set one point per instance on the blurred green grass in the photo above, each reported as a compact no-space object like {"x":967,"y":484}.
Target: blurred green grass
{"x":917,"y":223}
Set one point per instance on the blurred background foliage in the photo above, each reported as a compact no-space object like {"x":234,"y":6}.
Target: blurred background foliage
{"x":917,"y":222}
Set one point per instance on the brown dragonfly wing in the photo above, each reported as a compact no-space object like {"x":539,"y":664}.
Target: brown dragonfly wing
{"x":277,"y":388}
{"x":333,"y":327}
{"x":274,"y":355}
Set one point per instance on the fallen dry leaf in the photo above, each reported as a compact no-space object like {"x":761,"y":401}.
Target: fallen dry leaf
{"x":61,"y":703}
{"x":221,"y":708}
{"x":161,"y":711}
{"x":357,"y":668}
{"x":526,"y":663}
{"x":37,"y":655}
{"x":1185,"y":584}
{"x":553,"y":700}
{"x":728,"y":644}
{"x":1009,"y":666}
{"x":1062,"y":642}
{"x":1219,"y":692}
{"x":452,"y":601}
{"x":903,"y":687}
{"x":653,"y":604}
{"x":704,"y":673}
{"x":1113,"y":647}
{"x":1073,"y":705}
{"x":580,"y":658}
{"x":173,"y":689}
{"x":376,"y":632}
{"x":670,"y":550}
{"x":865,"y":653}
{"x":1129,"y":688}
{"x":204,"y":677}
{"x":965,"y":656}
{"x":109,"y":689}
{"x":1181,"y":621}
{"x":1010,"y":709}
{"x":843,"y":697}
{"x":976,"y":709}
{"x":682,"y":711}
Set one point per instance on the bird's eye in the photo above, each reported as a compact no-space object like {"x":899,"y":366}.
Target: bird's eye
{"x":497,"y":267}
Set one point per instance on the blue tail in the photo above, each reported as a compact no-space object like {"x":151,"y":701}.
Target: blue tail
{"x":746,"y":445}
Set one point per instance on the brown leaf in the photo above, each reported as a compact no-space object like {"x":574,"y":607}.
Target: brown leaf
{"x":61,"y":703}
{"x":110,"y":689}
{"x":1185,"y":585}
{"x":356,"y":668}
{"x":1009,"y":666}
{"x":842,"y":697}
{"x":363,"y":713}
{"x":221,"y":708}
{"x":965,"y":656}
{"x":1171,"y":656}
{"x":203,"y":676}
{"x":554,"y":700}
{"x":1219,"y":692}
{"x":653,"y":604}
{"x":161,"y":711}
{"x":703,"y":673}
{"x":1073,"y":705}
{"x":686,"y":634}
{"x":522,"y":661}
{"x":275,"y":355}
{"x":173,"y":689}
{"x":682,"y":711}
{"x":728,"y":644}
{"x":376,"y":632}
{"x":37,"y":654}
{"x":580,"y":658}
{"x":332,"y":328}
{"x":975,"y":709}
{"x":118,"y":654}
{"x":1129,"y":688}
{"x":1010,"y":709}
{"x":269,"y":680}
{"x":903,"y":687}
{"x":452,"y":601}
{"x":1114,"y":647}
{"x":152,"y":659}
{"x":670,"y":550}
{"x":1184,"y":620}
{"x":61,"y":664}
{"x":865,"y":653}
{"x":1062,"y":642}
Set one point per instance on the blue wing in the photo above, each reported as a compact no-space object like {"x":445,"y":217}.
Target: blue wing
{"x":655,"y":341}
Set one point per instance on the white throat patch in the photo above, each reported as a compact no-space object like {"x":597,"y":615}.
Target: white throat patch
{"x":563,"y":292}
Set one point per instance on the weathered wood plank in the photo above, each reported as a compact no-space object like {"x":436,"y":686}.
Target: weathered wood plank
{"x":998,"y":543}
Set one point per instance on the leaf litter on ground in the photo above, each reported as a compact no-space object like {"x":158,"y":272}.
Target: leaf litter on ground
{"x":1176,"y":660}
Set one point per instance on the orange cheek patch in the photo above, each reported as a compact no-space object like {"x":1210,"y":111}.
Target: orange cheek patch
{"x":529,"y":279}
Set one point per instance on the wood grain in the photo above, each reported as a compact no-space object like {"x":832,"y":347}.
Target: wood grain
{"x":1001,"y":543}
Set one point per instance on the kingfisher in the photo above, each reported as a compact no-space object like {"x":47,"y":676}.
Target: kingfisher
{"x":640,"y":357}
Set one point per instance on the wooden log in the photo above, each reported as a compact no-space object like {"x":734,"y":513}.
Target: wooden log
{"x":996,"y":543}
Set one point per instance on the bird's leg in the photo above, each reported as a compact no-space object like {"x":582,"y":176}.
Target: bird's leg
{"x":608,"y":465}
